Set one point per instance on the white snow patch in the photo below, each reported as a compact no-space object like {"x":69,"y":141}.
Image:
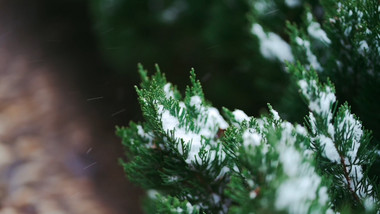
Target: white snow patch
{"x":272,"y":46}
{"x":323,"y":197}
{"x":169,"y":122}
{"x":182,"y":108}
{"x":291,"y":160}
{"x":360,"y":15}
{"x":173,"y":178}
{"x":309,"y":54}
{"x":351,"y":128}
{"x":329,"y":149}
{"x":168,"y":92}
{"x":264,"y":7}
{"x":260,"y":5}
{"x":347,"y":31}
{"x":236,"y":169}
{"x":275,"y":115}
{"x":340,"y":6}
{"x":222,"y":172}
{"x":304,"y":87}
{"x":352,"y":133}
{"x":261,"y":122}
{"x":215,"y":198}
{"x":301,"y":130}
{"x":313,"y":123}
{"x":214,"y":119}
{"x":251,"y":138}
{"x":252,"y":194}
{"x":356,"y":172}
{"x":293,"y":3}
{"x":146,"y":136}
{"x":196,"y":101}
{"x":206,"y":127}
{"x":315,"y":31}
{"x":350,"y":13}
{"x":142,"y":133}
{"x":152,"y":193}
{"x":240,"y":116}
{"x":369,"y":204}
{"x":250,"y":183}
{"x":297,"y":194}
{"x":189,"y":207}
{"x":287,"y":136}
{"x":363,"y":47}
{"x":321,"y":104}
{"x":308,"y":153}
{"x":331,"y":130}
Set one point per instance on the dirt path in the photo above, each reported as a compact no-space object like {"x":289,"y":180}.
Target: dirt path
{"x":57,"y":153}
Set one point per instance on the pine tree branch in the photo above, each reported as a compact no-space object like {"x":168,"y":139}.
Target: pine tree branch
{"x":347,"y":177}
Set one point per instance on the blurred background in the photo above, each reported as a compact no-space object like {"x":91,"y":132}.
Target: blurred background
{"x":59,"y":104}
{"x":67,"y":74}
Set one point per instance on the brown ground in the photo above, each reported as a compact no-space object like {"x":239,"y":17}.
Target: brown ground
{"x":57,"y":154}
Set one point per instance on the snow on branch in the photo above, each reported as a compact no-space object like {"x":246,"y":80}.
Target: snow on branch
{"x":338,"y":138}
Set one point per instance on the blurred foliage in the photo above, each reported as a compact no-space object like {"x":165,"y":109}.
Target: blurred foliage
{"x":214,"y":37}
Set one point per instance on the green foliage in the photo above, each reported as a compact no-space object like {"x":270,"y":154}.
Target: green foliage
{"x":187,"y":152}
{"x":343,"y":162}
{"x":177,"y":150}
{"x":354,"y":66}
{"x":341,"y":44}
{"x":200,"y":162}
{"x":172,"y":205}
{"x":345,"y":48}
{"x":275,"y":169}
